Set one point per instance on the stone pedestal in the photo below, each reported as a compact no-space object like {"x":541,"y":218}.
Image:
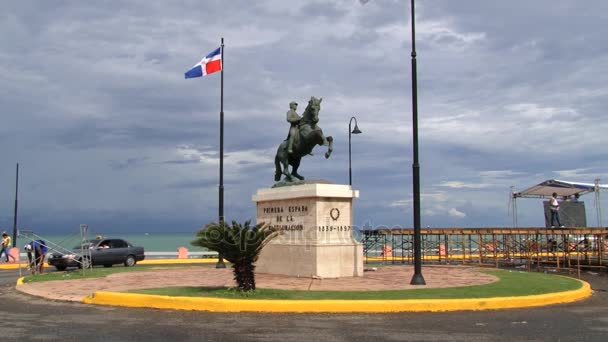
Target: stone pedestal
{"x":316,"y":231}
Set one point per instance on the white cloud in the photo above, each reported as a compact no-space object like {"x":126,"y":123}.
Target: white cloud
{"x":453,"y":212}
{"x":188,"y":153}
{"x":461,"y":185}
{"x":499,"y":174}
{"x":535,"y":112}
{"x":442,"y":33}
{"x":582,"y":174}
{"x":401,"y":203}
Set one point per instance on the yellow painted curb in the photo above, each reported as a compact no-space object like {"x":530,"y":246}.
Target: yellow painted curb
{"x":20,"y":281}
{"x":143,"y":262}
{"x":177,"y":261}
{"x":335,"y":306}
{"x":15,"y":266}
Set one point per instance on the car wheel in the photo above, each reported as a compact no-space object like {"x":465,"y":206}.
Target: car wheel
{"x":110,"y":265}
{"x":84,"y":263}
{"x":130,"y":261}
{"x":60,"y":268}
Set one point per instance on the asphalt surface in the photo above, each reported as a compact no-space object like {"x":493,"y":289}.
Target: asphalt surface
{"x":27,"y":318}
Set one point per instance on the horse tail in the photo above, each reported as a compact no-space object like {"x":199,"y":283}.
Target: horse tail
{"x":277,"y":166}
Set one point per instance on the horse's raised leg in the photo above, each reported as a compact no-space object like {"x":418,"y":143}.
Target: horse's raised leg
{"x":330,"y":142}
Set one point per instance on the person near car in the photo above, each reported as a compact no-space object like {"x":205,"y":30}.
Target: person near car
{"x":40,"y":249}
{"x":31,"y":265}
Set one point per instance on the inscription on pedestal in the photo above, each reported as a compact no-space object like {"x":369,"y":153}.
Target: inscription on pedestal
{"x":283,"y":218}
{"x":298,"y":220}
{"x":315,"y":222}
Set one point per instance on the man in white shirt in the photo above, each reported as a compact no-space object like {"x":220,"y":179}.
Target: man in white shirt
{"x":554,"y":207}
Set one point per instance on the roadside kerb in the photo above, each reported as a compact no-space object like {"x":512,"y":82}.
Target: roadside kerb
{"x":13,"y":266}
{"x":334,"y":306}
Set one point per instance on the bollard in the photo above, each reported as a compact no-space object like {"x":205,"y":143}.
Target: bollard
{"x":15,"y":253}
{"x":182,"y":253}
{"x":442,"y":249}
{"x":387,"y":251}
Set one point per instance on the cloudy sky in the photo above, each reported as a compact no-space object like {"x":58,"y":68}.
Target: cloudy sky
{"x":96,"y":111}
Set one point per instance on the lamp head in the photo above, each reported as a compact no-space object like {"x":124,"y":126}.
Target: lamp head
{"x":356,"y":130}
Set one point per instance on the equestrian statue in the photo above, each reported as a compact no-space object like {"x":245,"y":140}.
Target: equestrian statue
{"x":304,"y":135}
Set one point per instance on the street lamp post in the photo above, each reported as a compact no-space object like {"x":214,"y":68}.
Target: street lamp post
{"x":417,"y":279}
{"x":356,"y":130}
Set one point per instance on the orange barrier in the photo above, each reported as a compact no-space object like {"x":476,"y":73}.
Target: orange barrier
{"x":387,"y":251}
{"x":182,"y":253}
{"x":442,"y":250}
{"x":14,"y":252}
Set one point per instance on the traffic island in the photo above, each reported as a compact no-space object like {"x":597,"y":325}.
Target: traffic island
{"x":449,"y":288}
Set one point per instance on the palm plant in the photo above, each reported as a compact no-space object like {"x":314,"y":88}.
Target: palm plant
{"x":239,"y":244}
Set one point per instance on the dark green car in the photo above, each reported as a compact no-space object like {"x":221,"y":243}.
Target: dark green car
{"x":106,"y":252}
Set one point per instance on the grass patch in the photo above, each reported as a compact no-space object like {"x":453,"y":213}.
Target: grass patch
{"x":99,"y":272}
{"x":511,"y":283}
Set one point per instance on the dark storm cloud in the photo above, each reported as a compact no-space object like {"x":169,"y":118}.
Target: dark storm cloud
{"x":96,"y":108}
{"x":192,"y":184}
{"x":129,"y":162}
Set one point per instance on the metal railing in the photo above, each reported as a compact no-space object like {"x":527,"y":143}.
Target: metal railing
{"x":497,"y":247}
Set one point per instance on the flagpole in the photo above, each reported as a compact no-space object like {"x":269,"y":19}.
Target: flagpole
{"x":220,"y":261}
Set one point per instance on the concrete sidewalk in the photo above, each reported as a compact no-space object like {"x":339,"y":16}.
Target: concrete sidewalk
{"x":384,"y":278}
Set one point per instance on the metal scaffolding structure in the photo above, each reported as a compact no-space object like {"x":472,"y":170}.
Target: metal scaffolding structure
{"x":564,"y":189}
{"x":498,"y":247}
{"x":57,"y":248}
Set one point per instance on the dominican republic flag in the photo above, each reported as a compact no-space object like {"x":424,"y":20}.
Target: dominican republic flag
{"x":208,"y":65}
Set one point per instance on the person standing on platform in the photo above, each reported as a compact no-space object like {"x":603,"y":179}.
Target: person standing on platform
{"x":6,"y":246}
{"x":554,"y":207}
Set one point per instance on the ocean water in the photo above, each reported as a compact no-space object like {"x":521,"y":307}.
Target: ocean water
{"x":152,"y":242}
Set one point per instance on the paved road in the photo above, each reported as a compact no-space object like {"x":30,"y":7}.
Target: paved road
{"x":27,"y":318}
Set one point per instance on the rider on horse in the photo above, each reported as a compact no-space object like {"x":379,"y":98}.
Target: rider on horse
{"x":294,"y":120}
{"x":304,"y":135}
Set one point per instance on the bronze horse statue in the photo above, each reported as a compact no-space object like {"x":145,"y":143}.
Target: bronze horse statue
{"x":309,"y":136}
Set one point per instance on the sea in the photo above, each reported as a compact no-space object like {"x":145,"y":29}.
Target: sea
{"x":152,"y":242}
